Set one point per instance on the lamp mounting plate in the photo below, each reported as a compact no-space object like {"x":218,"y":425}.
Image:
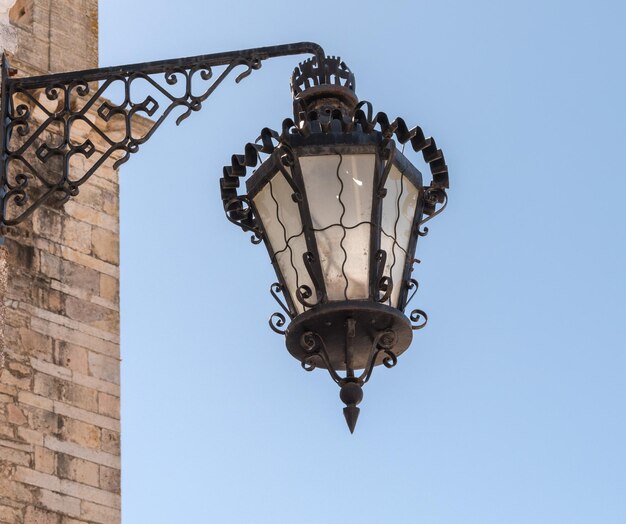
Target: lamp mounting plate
{"x":333,"y":322}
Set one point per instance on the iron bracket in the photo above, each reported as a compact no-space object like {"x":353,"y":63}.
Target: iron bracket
{"x":48,"y":122}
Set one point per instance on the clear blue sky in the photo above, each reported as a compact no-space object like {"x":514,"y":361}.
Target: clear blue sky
{"x":510,"y":406}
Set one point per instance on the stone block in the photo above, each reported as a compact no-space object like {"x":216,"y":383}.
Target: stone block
{"x":48,"y":223}
{"x":92,"y":314}
{"x":99,"y":514}
{"x":111,"y":441}
{"x":45,"y":460}
{"x":104,"y":368}
{"x":30,"y":399}
{"x":79,"y":396}
{"x":109,"y":288}
{"x":78,"y":470}
{"x":46,"y":386}
{"x":15,"y":415}
{"x":109,"y":405}
{"x":59,"y":503}
{"x":36,"y":344}
{"x":110,"y":479}
{"x":79,"y":276}
{"x":14,"y":456}
{"x":10,"y":515}
{"x":35,"y":515}
{"x":30,"y":436}
{"x":81,"y":433}
{"x":6,"y":430}
{"x":5,"y":389}
{"x":66,"y":487}
{"x":97,"y":384}
{"x":110,"y":202}
{"x":86,"y":416}
{"x":45,"y":422}
{"x":77,"y":235}
{"x":79,"y":211}
{"x":51,"y":266}
{"x":106,"y":245}
{"x":74,"y":336}
{"x":10,"y":378}
{"x":50,"y":369}
{"x":19,"y":492}
{"x":99,"y":457}
{"x":89,"y":261}
{"x":71,"y":356}
{"x":20,"y":256}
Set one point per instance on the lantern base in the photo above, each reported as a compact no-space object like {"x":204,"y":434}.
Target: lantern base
{"x":348,"y":330}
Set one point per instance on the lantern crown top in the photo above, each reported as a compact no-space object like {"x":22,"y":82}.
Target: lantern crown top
{"x":332,"y":71}
{"x":322,"y":87}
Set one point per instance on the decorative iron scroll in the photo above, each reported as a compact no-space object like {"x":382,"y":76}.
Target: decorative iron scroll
{"x":270,"y":142}
{"x":50,"y":123}
{"x":315,"y":347}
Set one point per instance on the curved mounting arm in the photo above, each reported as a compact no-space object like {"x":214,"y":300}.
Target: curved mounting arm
{"x":48,"y":122}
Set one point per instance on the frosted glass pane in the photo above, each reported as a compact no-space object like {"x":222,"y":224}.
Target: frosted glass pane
{"x":283,"y":227}
{"x":339,"y":192}
{"x":332,"y":180}
{"x":278,"y":212}
{"x":295,"y":274}
{"x":345,"y":261}
{"x":399,"y":207}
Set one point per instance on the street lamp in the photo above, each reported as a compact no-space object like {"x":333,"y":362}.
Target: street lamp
{"x":339,"y":209}
{"x":337,"y":204}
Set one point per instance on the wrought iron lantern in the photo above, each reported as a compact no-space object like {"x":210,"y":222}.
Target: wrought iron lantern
{"x":339,"y":208}
{"x":336,"y":202}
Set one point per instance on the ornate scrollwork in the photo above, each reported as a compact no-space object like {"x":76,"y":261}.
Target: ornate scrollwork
{"x":50,"y":122}
{"x":276,"y":322}
{"x":308,"y":341}
{"x":303,"y":293}
{"x":239,"y":212}
{"x":384,"y":343}
{"x":384,"y":284}
{"x":413,"y":285}
{"x":433,"y":196}
{"x":418,"y":318}
{"x":315,"y":348}
{"x":276,"y":288}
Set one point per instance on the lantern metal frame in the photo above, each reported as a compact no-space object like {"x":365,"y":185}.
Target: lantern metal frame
{"x":338,"y":335}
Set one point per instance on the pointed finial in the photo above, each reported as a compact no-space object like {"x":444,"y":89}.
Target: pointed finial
{"x":351,"y":413}
{"x":351,"y":395}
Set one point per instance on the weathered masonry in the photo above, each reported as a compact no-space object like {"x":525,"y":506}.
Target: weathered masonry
{"x":59,"y":313}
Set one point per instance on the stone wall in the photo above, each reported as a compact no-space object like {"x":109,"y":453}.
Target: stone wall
{"x":59,"y":316}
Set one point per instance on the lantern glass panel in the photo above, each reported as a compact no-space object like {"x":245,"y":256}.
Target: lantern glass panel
{"x":339,"y":194}
{"x":283,"y":228}
{"x":398,"y":214}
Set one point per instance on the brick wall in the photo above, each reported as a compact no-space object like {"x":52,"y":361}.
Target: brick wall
{"x":59,"y":313}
